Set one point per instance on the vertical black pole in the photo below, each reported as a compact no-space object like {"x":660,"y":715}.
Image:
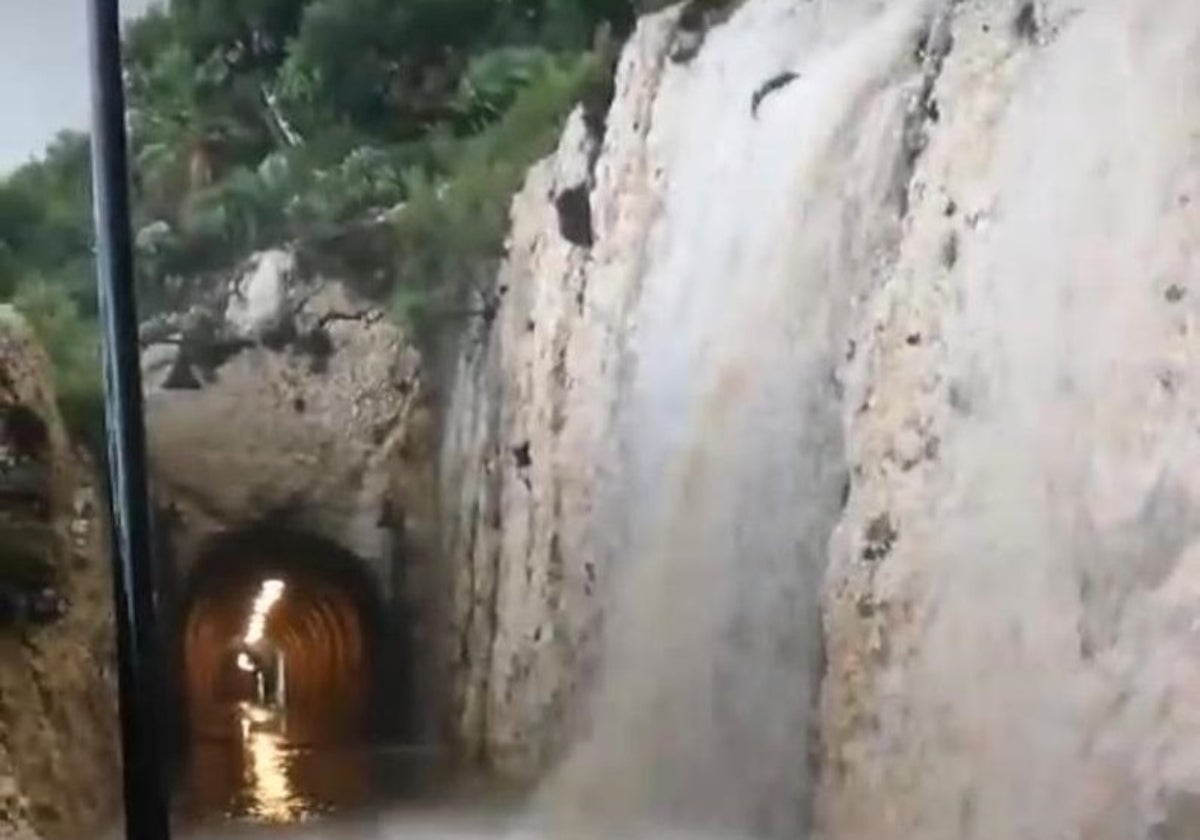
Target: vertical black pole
{"x":146,"y":816}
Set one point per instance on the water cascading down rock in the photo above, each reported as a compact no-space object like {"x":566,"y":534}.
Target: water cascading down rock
{"x":671,"y":390}
{"x":931,"y":261}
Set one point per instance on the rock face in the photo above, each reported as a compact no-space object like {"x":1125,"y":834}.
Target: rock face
{"x":287,"y":402}
{"x":58,"y":730}
{"x":304,"y":423}
{"x":529,"y":433}
{"x":1018,"y":659}
{"x":907,"y":340}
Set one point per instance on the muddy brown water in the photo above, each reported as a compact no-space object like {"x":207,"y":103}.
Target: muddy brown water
{"x":260,"y":783}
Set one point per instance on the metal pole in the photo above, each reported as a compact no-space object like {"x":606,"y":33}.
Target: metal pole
{"x":146,"y":813}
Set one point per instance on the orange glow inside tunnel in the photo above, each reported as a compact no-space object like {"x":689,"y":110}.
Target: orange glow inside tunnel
{"x":292,"y":606}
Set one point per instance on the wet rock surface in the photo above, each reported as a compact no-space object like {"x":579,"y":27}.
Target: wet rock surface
{"x":1019,"y":428}
{"x":58,"y":729}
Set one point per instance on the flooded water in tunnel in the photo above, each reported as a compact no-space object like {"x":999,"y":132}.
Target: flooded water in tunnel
{"x":263,"y":781}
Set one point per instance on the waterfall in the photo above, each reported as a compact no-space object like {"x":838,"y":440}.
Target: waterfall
{"x":732,"y":472}
{"x":953,"y":274}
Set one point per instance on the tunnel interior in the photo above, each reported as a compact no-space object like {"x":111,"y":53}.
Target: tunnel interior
{"x":280,"y":625}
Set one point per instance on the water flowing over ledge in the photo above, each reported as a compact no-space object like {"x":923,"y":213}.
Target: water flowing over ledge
{"x":874,"y":384}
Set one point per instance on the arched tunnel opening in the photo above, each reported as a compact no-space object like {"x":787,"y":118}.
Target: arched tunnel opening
{"x":284,"y":626}
{"x":299,"y":675}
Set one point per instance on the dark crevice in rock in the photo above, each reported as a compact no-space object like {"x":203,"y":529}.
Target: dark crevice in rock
{"x":37,"y":607}
{"x":950,"y":250}
{"x":879,"y":538}
{"x":598,"y":96}
{"x":317,"y":344}
{"x":697,"y":19}
{"x":24,"y":432}
{"x":522,"y":456}
{"x":1026,"y":24}
{"x":356,"y":317}
{"x":575,"y":215}
{"x":182,"y":377}
{"x":25,"y":489}
{"x":280,"y":335}
{"x":933,"y":46}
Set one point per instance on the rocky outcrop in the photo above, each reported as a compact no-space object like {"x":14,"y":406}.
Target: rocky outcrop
{"x":281,"y":402}
{"x":305,"y":422}
{"x":58,"y":730}
{"x":927,"y":261}
{"x":530,"y":432}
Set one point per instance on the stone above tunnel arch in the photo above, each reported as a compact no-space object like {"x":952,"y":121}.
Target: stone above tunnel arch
{"x":302,"y":424}
{"x":316,"y":419}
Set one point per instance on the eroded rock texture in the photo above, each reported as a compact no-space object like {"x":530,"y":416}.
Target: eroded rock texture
{"x":58,"y":729}
{"x":1001,"y":319}
{"x":284,"y":402}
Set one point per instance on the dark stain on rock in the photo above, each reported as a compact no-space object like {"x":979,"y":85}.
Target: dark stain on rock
{"x":958,"y":398}
{"x":1026,"y":24}
{"x":522,"y":456}
{"x":24,"y":431}
{"x":37,"y":607}
{"x":864,"y":606}
{"x":950,"y":250}
{"x":182,"y":377}
{"x":1175,"y":293}
{"x":932,"y":448}
{"x":879,"y":538}
{"x":574,"y":209}
{"x":317,"y":344}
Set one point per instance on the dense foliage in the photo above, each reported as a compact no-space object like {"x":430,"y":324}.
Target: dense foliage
{"x":259,"y":122}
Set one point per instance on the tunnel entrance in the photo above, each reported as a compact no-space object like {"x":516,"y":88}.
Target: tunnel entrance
{"x":280,"y":630}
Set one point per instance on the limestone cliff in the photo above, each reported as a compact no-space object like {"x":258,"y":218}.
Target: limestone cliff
{"x":884,"y":326}
{"x":58,"y":729}
{"x":529,"y":437}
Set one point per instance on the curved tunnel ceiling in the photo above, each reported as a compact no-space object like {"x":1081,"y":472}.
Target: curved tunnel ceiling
{"x":324,"y":626}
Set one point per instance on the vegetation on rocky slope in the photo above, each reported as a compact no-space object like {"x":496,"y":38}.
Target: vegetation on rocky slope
{"x":386,"y":136}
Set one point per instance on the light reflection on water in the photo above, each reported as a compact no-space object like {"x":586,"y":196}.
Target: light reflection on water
{"x":271,"y":793}
{"x":259,"y":775}
{"x":259,"y":780}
